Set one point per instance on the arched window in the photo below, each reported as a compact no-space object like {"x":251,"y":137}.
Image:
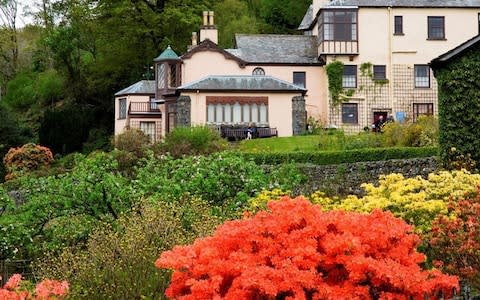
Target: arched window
{"x":258,"y":72}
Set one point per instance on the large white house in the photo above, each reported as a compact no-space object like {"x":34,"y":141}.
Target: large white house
{"x":276,"y":81}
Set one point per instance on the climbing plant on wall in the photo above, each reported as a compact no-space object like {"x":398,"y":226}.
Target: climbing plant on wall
{"x":335,"y":77}
{"x":458,"y":105}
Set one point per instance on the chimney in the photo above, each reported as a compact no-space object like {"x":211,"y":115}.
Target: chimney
{"x":194,"y":39}
{"x":210,"y":18}
{"x":209,"y":29}
{"x":205,"y":18}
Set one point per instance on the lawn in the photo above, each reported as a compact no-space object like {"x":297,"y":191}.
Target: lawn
{"x":334,"y":141}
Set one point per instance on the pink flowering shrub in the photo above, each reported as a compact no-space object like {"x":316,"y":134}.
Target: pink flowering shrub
{"x":296,"y":251}
{"x":17,"y":289}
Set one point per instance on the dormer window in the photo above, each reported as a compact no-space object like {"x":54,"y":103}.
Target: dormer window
{"x":258,"y":72}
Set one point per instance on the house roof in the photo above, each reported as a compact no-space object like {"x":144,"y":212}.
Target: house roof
{"x":307,"y":19}
{"x":168,"y":54}
{"x":405,"y":3}
{"x":142,"y":87}
{"x":208,"y":45}
{"x":276,"y":49}
{"x":444,"y":58}
{"x":242,"y":83}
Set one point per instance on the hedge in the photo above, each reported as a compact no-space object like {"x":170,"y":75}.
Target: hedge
{"x":339,"y":157}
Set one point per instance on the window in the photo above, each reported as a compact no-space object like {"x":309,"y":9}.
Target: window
{"x":379,"y":72}
{"x":299,"y":79}
{"x":220,"y":113}
{"x":420,"y":109}
{"x":398,"y":26}
{"x":436,"y":28}
{"x":149,"y":129}
{"x":349,"y":79}
{"x":258,"y":72}
{"x":479,"y":23}
{"x":350,"y":113}
{"x":422,"y":76}
{"x":122,"y":108}
{"x":338,"y":25}
{"x":174,"y":73}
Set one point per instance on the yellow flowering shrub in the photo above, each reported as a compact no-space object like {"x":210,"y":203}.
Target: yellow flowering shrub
{"x":260,"y":201}
{"x":416,"y":200}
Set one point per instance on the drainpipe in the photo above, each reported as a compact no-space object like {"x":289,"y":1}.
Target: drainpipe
{"x":390,"y":59}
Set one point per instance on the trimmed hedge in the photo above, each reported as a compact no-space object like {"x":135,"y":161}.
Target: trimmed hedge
{"x":339,"y":157}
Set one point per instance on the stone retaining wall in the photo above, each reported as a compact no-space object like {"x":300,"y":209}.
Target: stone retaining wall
{"x":346,"y":179}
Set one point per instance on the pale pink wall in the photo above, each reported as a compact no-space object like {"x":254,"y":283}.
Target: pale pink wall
{"x":207,"y":63}
{"x":120,"y":124}
{"x":279,"y":109}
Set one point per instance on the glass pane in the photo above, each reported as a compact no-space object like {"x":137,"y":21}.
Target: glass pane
{"x":263,"y":114}
{"x":350,"y":113}
{"x":237,"y":113}
{"x":255,"y":113}
{"x":162,"y":76}
{"x":219,"y":113}
{"x":246,"y":113}
{"x":211,"y":113}
{"x":228,"y":113}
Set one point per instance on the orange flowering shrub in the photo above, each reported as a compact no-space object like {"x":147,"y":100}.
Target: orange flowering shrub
{"x":26,"y":158}
{"x":296,"y":251}
{"x":456,"y":240}
{"x":16,"y":289}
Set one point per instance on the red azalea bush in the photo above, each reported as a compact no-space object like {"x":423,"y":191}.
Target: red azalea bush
{"x":296,"y":251}
{"x":16,"y":289}
{"x":29,"y":157}
{"x":456,"y":241}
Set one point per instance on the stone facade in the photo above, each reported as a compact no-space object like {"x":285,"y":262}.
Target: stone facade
{"x":184,"y":108}
{"x":299,"y":122}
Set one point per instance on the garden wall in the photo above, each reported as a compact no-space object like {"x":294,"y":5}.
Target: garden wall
{"x":346,"y":179}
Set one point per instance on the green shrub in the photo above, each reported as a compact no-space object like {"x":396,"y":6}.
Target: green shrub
{"x":338,"y":157}
{"x":132,"y":140}
{"x":196,"y":140}
{"x":423,"y":132}
{"x":117,"y":261}
{"x":458,"y":108}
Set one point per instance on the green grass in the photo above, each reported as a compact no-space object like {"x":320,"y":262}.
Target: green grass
{"x":330,"y":141}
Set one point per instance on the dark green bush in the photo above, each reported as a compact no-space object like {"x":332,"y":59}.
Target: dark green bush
{"x":196,"y":140}
{"x":338,"y":157}
{"x":458,"y":105}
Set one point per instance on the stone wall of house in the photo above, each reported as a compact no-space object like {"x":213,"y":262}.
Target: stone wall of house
{"x":346,"y":179}
{"x":298,"y":115}
{"x":184,"y":107}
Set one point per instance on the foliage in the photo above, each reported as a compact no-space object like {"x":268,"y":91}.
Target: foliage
{"x":196,"y":140}
{"x":338,"y":157}
{"x":65,"y":129}
{"x":16,"y":288}
{"x":455,"y":240}
{"x":297,"y":251}
{"x":335,"y":86}
{"x":218,"y":178}
{"x":49,"y":213}
{"x":423,"y":132}
{"x":117,"y":259}
{"x":416,"y":200}
{"x":132,"y":140}
{"x":27,"y":158}
{"x":458,"y":114}
{"x":455,"y":160}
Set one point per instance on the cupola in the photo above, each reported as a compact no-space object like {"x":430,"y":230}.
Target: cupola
{"x":168,"y":72}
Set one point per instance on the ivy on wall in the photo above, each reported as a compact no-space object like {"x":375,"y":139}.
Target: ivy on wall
{"x":335,"y":83}
{"x":459,"y":105}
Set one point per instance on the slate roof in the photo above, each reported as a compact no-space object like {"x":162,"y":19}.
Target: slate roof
{"x":142,"y":87}
{"x":168,"y":54}
{"x":242,"y":83}
{"x":307,"y":19}
{"x":406,"y":3}
{"x":444,"y":58}
{"x":276,"y":49}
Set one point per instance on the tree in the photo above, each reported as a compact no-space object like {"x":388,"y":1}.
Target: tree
{"x":297,"y":252}
{"x":8,"y":16}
